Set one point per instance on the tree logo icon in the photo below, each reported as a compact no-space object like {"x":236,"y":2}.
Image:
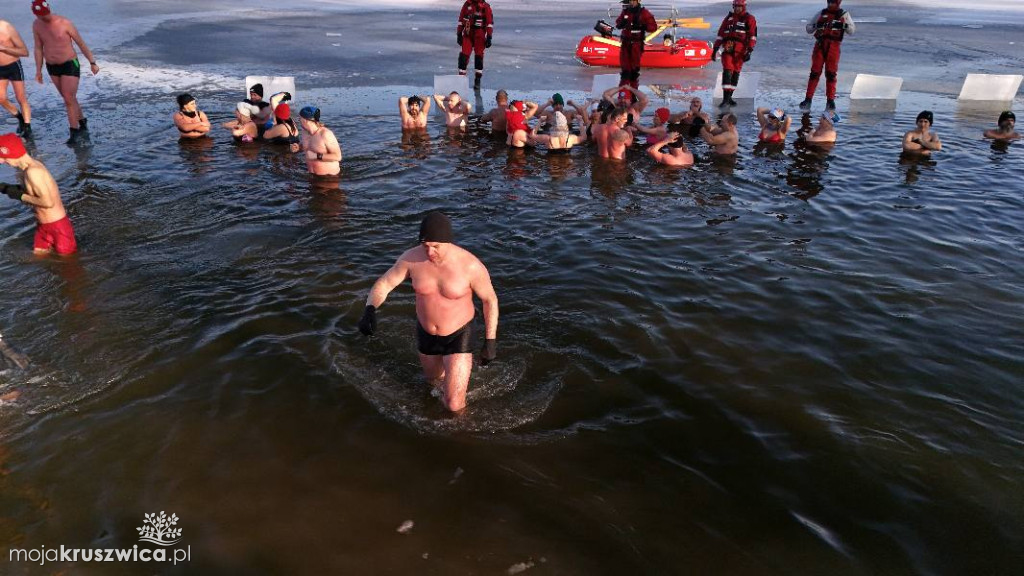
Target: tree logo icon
{"x":157,"y":529}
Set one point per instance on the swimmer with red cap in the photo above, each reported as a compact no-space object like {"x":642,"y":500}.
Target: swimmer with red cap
{"x":54,"y":36}
{"x":516,"y":118}
{"x":445,"y":277}
{"x":39,"y":190}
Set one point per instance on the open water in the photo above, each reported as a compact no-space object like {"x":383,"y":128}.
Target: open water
{"x":799,"y":362}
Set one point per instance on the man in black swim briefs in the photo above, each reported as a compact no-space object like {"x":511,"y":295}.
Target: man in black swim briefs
{"x":445,"y":277}
{"x":54,"y":36}
{"x":12,"y":50}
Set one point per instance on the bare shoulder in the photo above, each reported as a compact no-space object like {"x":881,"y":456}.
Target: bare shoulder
{"x":412,"y":256}
{"x":472,"y":264}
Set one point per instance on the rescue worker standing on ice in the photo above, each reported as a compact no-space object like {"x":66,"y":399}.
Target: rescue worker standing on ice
{"x":737,"y":37}
{"x":828,"y":26}
{"x":636,"y":22}
{"x":474,"y":32}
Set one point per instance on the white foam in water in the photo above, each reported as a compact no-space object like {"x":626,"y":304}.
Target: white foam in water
{"x":745,"y":90}
{"x":446,"y":84}
{"x":601,"y":83}
{"x":871,"y":87}
{"x":991,"y":87}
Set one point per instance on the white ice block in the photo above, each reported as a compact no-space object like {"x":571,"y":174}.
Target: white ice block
{"x":870,"y":87}
{"x":603,"y":82}
{"x":745,"y":90}
{"x":991,"y":87}
{"x":272,"y":85}
{"x":446,"y":84}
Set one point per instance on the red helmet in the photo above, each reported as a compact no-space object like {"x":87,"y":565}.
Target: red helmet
{"x":739,"y":3}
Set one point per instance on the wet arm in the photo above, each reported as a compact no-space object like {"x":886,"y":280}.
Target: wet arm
{"x":333,"y":148}
{"x":386,"y":283}
{"x":483,"y":289}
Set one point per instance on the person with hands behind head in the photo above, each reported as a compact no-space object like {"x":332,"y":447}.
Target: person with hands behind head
{"x":456,"y":110}
{"x":774,"y":125}
{"x":922,"y":140}
{"x":444,"y":277}
{"x":677,"y":154}
{"x":39,"y":190}
{"x":414,"y":111}
{"x":724,"y":137}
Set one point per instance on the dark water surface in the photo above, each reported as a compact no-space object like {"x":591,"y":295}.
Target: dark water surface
{"x":799,"y":362}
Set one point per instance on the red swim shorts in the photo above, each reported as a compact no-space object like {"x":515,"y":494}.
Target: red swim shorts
{"x":57,"y":236}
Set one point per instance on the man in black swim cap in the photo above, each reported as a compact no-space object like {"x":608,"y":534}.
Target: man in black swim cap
{"x":922,"y":140}
{"x":445,"y":277}
{"x":190,"y":121}
{"x":1005,"y":131}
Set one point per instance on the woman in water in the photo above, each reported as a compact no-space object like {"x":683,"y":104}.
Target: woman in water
{"x":242,"y":128}
{"x":284,"y":130}
{"x":774,"y":125}
{"x":558,"y":139}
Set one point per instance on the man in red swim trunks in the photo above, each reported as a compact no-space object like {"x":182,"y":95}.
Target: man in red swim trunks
{"x":39,"y":190}
{"x":53,"y":37}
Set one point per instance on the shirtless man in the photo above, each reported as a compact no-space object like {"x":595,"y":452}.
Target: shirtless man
{"x":456,"y":110}
{"x":823,"y":133}
{"x":724,"y":137}
{"x":677,"y":154}
{"x":445,"y":277}
{"x":612,"y":138}
{"x":496,"y":115}
{"x":922,"y":140}
{"x":39,"y":190}
{"x":1007,"y":121}
{"x":323,"y":153}
{"x":53,"y":38}
{"x":12,"y":50}
{"x":191,"y":122}
{"x":414,"y":112}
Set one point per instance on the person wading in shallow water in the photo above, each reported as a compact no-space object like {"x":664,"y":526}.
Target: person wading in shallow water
{"x":445,"y":277}
{"x":12,"y":50}
{"x":39,"y":190}
{"x":53,"y":37}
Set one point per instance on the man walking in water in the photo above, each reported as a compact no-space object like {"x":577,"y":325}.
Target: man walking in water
{"x":445,"y":277}
{"x":39,"y":190}
{"x":473,"y":33}
{"x":12,"y":50}
{"x":829,"y":27}
{"x":636,"y":22}
{"x":737,"y":37}
{"x":53,"y":37}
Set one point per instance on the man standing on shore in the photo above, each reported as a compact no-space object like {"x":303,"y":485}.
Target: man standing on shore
{"x":53,"y":38}
{"x":829,"y":27}
{"x":38,"y":189}
{"x":12,"y":50}
{"x":636,"y":22}
{"x":445,"y":277}
{"x":737,"y":37}
{"x":473,"y":33}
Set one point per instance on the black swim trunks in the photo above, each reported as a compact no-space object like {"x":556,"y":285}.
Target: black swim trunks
{"x":12,"y":72}
{"x":69,"y":68}
{"x":458,"y":342}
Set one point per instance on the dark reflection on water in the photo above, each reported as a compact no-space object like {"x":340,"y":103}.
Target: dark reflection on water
{"x":699,"y":370}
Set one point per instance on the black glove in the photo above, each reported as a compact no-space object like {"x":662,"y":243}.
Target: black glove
{"x":13,"y":191}
{"x":487,"y":43}
{"x":458,"y":39}
{"x":287,"y":96}
{"x":714,"y":54}
{"x":368,"y":323}
{"x":490,"y":351}
{"x":746,"y":56}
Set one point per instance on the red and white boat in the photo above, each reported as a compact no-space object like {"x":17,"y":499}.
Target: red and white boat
{"x":602,"y":49}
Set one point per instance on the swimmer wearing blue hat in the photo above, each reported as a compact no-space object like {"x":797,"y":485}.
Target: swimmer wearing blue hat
{"x":445,"y":278}
{"x":318,"y":143}
{"x":823,"y":133}
{"x":922,"y":140}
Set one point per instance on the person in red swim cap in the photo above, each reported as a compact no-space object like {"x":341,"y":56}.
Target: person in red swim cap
{"x":54,"y":36}
{"x":39,"y":190}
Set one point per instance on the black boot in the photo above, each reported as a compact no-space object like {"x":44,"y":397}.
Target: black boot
{"x":830,"y":105}
{"x":26,"y":130}
{"x":476,"y":81}
{"x":76,"y":134}
{"x":21,"y":123}
{"x":83,"y":124}
{"x":463,"y":61}
{"x":806,"y":104}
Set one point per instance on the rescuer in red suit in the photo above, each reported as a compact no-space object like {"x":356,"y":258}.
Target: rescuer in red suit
{"x":636,"y":23}
{"x":474,"y":32}
{"x":829,"y":27}
{"x":737,"y":37}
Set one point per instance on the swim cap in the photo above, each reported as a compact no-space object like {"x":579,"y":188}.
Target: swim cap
{"x":244,"y":108}
{"x":1007,"y":116}
{"x":436,"y":227}
{"x":11,"y":146}
{"x":779,"y":114}
{"x":926,"y":115}
{"x":184,"y":99}
{"x":283,"y":112}
{"x":517,"y":105}
{"x":561,"y":127}
{"x":40,"y":7}
{"x":310,"y":113}
{"x":662,"y":114}
{"x":258,"y":89}
{"x":557,"y":100}
{"x":515,"y":119}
